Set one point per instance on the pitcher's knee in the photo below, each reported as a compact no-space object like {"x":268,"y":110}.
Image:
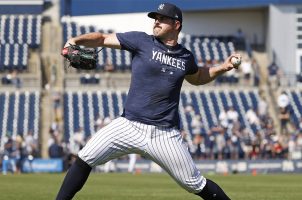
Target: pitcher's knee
{"x":194,"y":184}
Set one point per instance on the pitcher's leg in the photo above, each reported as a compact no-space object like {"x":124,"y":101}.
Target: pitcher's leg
{"x":112,"y":141}
{"x":74,"y":180}
{"x":168,"y":150}
{"x":212,"y":191}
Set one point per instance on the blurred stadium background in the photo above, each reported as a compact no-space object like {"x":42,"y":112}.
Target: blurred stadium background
{"x":246,"y":121}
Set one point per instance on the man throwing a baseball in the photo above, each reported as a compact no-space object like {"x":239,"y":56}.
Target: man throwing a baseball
{"x":149,"y":124}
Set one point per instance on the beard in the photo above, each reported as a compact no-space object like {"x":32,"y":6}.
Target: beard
{"x":157,"y":31}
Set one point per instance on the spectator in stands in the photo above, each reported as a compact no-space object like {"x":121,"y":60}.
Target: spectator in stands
{"x":262,"y":107}
{"x":223,"y":119}
{"x":267,"y":148}
{"x":197,"y":143}
{"x":54,"y":129}
{"x":56,"y":100}
{"x":273,"y":69}
{"x":252,"y":117}
{"x":12,"y":79}
{"x":256,"y":69}
{"x":31,"y":144}
{"x":211,"y":145}
{"x":11,"y":155}
{"x":291,"y":147}
{"x":283,"y":100}
{"x":236,"y":143}
{"x":232,"y":115}
{"x":55,"y":150}
{"x":196,"y":124}
{"x":16,"y":81}
{"x":269,"y":128}
{"x":77,"y":141}
{"x":96,"y":78}
{"x":246,"y":68}
{"x":220,"y":144}
{"x":284,"y":117}
{"x":227,"y":149}
{"x":255,"y":152}
{"x":218,"y":134}
{"x":278,"y":150}
{"x":239,"y":39}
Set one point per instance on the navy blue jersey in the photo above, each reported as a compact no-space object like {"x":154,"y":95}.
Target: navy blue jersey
{"x":157,"y":75}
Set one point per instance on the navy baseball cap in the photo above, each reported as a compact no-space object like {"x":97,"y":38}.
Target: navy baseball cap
{"x":168,"y":10}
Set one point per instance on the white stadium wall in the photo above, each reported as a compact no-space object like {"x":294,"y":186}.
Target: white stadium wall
{"x":227,"y":22}
{"x":282,"y":37}
{"x":118,"y":22}
{"x":252,"y":22}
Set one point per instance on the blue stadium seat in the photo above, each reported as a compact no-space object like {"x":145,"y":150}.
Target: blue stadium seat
{"x":86,"y":117}
{"x":66,"y":116}
{"x":95,"y":103}
{"x":10,"y":116}
{"x":2,"y":101}
{"x":215,"y":102}
{"x":207,"y":104}
{"x":115,"y":103}
{"x":236,"y":106}
{"x":20,"y":113}
{"x":295,"y":106}
{"x":21,"y":29}
{"x":76,"y":116}
{"x":207,"y":110}
{"x":13,"y":56}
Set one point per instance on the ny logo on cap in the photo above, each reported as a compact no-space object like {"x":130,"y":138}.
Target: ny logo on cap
{"x":161,"y":6}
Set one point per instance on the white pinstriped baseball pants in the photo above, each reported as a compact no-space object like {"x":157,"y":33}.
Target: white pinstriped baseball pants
{"x":162,"y":145}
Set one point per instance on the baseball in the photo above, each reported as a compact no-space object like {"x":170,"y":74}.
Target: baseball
{"x":235,"y":61}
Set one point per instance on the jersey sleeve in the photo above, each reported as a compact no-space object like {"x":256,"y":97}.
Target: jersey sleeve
{"x":131,"y":41}
{"x":192,"y":66}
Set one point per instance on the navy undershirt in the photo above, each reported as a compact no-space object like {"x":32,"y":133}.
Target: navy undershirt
{"x":157,"y":75}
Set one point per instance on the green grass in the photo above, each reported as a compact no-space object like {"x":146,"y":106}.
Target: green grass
{"x":150,"y":187}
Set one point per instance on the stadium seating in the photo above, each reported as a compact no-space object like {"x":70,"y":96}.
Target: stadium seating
{"x":21,"y":29}
{"x":20,"y":114}
{"x":18,"y":34}
{"x":82,"y":108}
{"x":13,"y":56}
{"x":208,"y":47}
{"x":295,"y":97}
